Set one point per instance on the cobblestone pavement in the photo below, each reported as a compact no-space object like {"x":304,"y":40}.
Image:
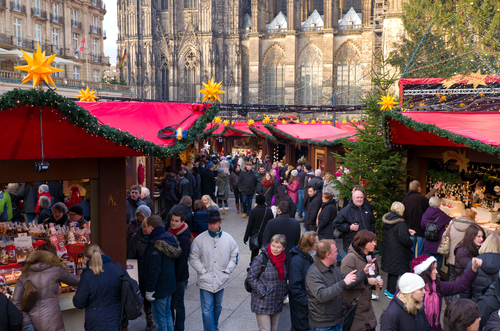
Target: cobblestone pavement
{"x":236,"y":314}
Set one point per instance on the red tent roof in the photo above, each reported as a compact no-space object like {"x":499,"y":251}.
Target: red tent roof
{"x":475,"y":130}
{"x":318,"y":134}
{"x":260,"y":130}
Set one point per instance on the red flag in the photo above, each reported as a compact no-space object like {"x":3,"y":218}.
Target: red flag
{"x":83,"y":45}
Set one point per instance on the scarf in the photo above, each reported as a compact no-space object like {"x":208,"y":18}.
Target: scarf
{"x":267,"y":183}
{"x":278,"y":262}
{"x":431,"y":304}
{"x":180,"y":229}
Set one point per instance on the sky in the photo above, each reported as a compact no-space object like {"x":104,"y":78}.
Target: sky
{"x":110,"y":24}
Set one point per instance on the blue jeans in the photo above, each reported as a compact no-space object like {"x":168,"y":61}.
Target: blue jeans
{"x":211,"y":307}
{"x":300,"y":208}
{"x":31,"y":217}
{"x":162,"y":314}
{"x":177,"y":308}
{"x":330,"y":328}
{"x":439,"y":259}
{"x":246,"y":199}
{"x":420,"y":242}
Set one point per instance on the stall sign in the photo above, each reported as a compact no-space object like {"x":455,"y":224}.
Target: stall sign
{"x":462,"y":161}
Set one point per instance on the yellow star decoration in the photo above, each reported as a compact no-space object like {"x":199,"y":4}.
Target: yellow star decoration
{"x":421,"y":104}
{"x":283,"y":121}
{"x":226,"y":122}
{"x":313,"y":121}
{"x":266,"y":119}
{"x":212,"y":91}
{"x":328,"y":122}
{"x":275,"y":120}
{"x":250,"y":122}
{"x":481,"y":95}
{"x":217,"y":119}
{"x":306,"y":122}
{"x":442,"y":99}
{"x":38,"y":68}
{"x":344,"y":122}
{"x":323,"y":122}
{"x":87,"y":95}
{"x":387,"y":102}
{"x":462,"y":104}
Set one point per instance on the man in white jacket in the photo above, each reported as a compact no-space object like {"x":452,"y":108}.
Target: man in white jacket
{"x":214,"y":255}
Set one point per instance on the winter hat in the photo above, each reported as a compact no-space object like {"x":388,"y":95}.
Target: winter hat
{"x":409,"y":283}
{"x":144,"y":209}
{"x":260,"y":199}
{"x":77,"y":210}
{"x":308,"y":167}
{"x":222,"y":158}
{"x":267,"y":157}
{"x":213,"y":216}
{"x":295,"y":173}
{"x":248,"y":163}
{"x":422,"y":263}
{"x":220,"y":170}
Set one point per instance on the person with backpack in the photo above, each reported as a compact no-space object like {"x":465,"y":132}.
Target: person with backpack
{"x":434,"y":222}
{"x":268,"y":285}
{"x":157,"y":272}
{"x":99,"y":292}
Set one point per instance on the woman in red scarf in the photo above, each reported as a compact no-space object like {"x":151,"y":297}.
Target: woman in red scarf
{"x":269,"y":289}
{"x":267,"y":188}
{"x":43,"y":191}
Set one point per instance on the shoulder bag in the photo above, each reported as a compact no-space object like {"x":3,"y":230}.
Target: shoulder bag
{"x":254,"y":240}
{"x":444,"y":245}
{"x":30,"y":295}
{"x":348,"y":312}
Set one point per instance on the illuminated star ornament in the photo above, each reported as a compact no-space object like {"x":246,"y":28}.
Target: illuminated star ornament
{"x":212,"y":91}
{"x":250,"y":122}
{"x":266,"y":120}
{"x":226,"y":122}
{"x":87,"y":95}
{"x":38,"y":68}
{"x":217,"y":119}
{"x":387,"y":102}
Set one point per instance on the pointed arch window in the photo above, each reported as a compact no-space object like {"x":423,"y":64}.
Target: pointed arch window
{"x":245,"y":77}
{"x":190,"y":77}
{"x":274,"y":77}
{"x":311,"y":77}
{"x":348,"y":82}
{"x":356,"y":4}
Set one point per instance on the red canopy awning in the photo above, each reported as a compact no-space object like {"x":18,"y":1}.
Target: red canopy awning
{"x":108,"y":129}
{"x":475,"y":130}
{"x":260,"y":130}
{"x":318,"y":134}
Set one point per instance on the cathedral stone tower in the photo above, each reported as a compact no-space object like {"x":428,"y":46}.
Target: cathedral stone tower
{"x":264,"y":51}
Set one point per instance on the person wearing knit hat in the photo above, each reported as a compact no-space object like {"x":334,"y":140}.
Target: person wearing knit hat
{"x":76,"y":215}
{"x":293,"y":186}
{"x":435,"y":289}
{"x":405,"y":311}
{"x":141,"y":214}
{"x":295,"y":173}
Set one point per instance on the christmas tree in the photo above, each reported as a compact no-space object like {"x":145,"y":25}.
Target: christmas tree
{"x":380,"y":168}
{"x":463,"y":38}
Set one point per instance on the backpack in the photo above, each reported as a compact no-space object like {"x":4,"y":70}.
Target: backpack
{"x":262,"y":268}
{"x":432,"y":231}
{"x":131,"y":298}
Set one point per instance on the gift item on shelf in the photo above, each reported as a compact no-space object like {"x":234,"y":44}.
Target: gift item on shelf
{"x":24,"y":246}
{"x":486,"y":214}
{"x":451,"y":207}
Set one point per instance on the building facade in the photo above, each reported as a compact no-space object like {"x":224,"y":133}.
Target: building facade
{"x":72,"y":29}
{"x":265,"y":51}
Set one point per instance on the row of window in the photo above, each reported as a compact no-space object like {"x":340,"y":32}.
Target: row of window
{"x":18,"y":34}
{"x":76,"y":73}
{"x":187,"y":4}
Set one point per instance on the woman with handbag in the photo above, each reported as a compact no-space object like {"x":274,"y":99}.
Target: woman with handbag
{"x":42,"y":272}
{"x":233,"y":182}
{"x":293,"y":186}
{"x":406,"y":311}
{"x":257,"y":220}
{"x":222,"y":183}
{"x":397,"y":247}
{"x":99,"y":291}
{"x":267,"y":188}
{"x":456,"y":233}
{"x":269,"y":289}
{"x":359,"y":254}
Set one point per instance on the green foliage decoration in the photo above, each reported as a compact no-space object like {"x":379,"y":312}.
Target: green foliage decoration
{"x":369,"y":159}
{"x":79,"y":116}
{"x":443,"y":176}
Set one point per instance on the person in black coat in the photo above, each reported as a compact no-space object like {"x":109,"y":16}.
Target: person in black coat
{"x":169,"y":193}
{"x":183,"y":206}
{"x":354,"y":217}
{"x":488,"y":272}
{"x":397,"y":317}
{"x":285,"y":225}
{"x":259,"y":216}
{"x":326,"y":217}
{"x":397,"y":246}
{"x":180,"y":230}
{"x":99,"y":292}
{"x":282,"y":195}
{"x":192,"y":181}
{"x":313,"y":206}
{"x":300,"y":261}
{"x":208,"y":182}
{"x":197,"y":188}
{"x":184,"y":189}
{"x":247,"y":183}
{"x":12,"y":317}
{"x":493,"y":323}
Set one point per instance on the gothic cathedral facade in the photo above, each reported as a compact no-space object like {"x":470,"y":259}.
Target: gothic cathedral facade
{"x":312,"y":52}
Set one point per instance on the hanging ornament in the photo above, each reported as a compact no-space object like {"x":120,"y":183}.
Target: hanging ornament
{"x":38,"y":68}
{"x":140,"y":174}
{"x":250,"y":122}
{"x":179,"y":133}
{"x":226,"y":122}
{"x":266,"y":119}
{"x":87,"y":95}
{"x":387,"y":102}
{"x":217,"y":120}
{"x":212,"y":91}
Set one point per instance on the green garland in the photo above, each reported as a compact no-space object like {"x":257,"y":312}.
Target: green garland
{"x":227,"y":127}
{"x":431,"y":128}
{"x":79,"y":116}
{"x":325,"y":142}
{"x":262,"y":134}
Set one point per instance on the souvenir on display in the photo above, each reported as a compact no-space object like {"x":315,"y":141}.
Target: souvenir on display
{"x":24,"y":246}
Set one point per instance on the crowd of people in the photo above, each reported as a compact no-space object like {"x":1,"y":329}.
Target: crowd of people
{"x":321,"y":268}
